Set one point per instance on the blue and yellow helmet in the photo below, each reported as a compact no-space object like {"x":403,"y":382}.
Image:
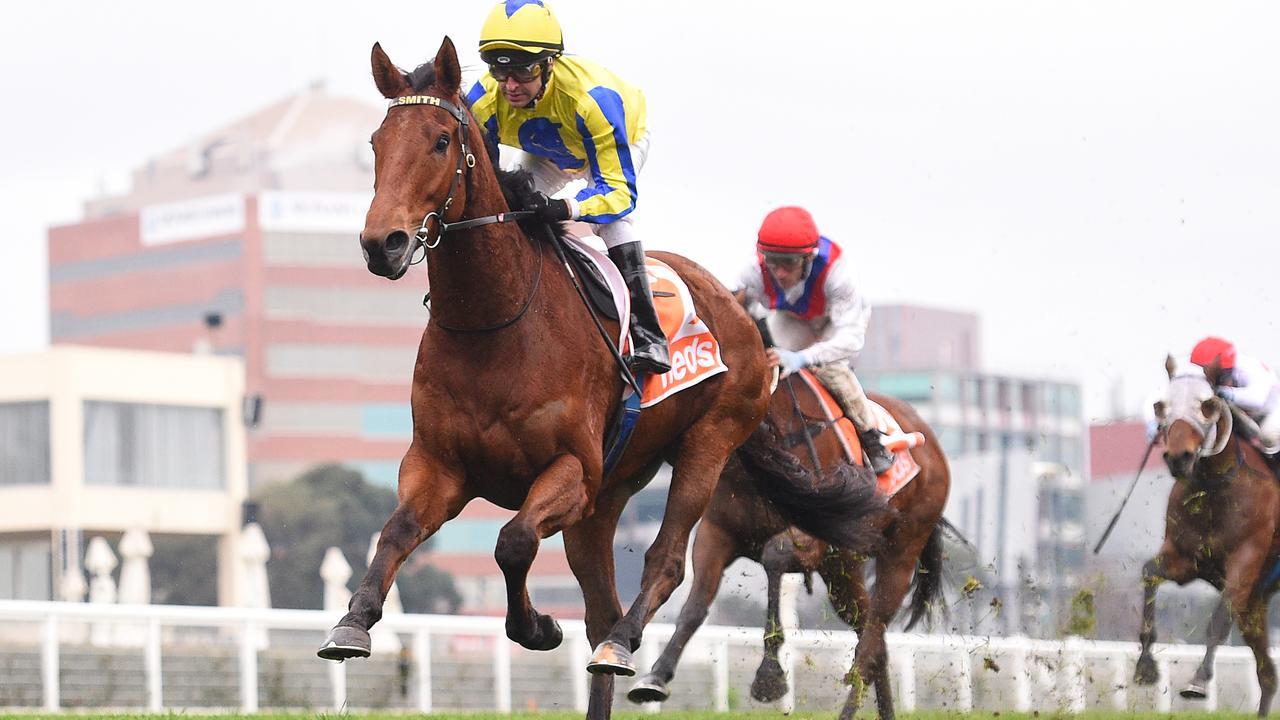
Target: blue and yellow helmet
{"x":518,"y":32}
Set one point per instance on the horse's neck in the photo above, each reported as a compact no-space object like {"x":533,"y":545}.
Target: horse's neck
{"x":482,"y":276}
{"x":1220,"y":468}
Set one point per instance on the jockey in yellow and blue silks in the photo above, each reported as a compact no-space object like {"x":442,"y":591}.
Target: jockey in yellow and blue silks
{"x":571,"y":119}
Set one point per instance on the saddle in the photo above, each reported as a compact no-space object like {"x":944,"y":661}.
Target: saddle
{"x":593,"y":283}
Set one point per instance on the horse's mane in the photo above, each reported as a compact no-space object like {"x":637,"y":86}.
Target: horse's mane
{"x":831,"y":505}
{"x":517,"y":185}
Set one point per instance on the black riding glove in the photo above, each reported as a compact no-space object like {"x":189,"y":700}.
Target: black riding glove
{"x":548,"y":208}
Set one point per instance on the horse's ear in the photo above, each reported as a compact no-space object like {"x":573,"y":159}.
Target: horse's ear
{"x":448,"y":71}
{"x":1162,"y":411}
{"x":386,"y":75}
{"x":1169,"y":365}
{"x":1211,"y":407}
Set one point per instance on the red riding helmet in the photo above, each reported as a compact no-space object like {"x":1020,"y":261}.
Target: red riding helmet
{"x":788,"y":231}
{"x":1214,"y":348}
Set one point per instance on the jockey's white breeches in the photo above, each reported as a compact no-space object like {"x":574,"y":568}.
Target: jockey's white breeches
{"x":560,"y":183}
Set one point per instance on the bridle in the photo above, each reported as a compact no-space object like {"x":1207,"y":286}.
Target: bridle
{"x":462,"y":174}
{"x":1182,"y":393}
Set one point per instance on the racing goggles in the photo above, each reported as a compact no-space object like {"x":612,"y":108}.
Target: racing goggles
{"x":521,"y":73}
{"x":784,"y":261}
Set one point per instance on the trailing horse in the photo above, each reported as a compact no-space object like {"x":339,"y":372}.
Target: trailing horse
{"x":513,"y":388}
{"x":764,"y":509}
{"x":1220,"y":524}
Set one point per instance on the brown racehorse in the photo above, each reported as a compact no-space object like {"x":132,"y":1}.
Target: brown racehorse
{"x":743,"y":521}
{"x":1221,"y":521}
{"x":513,"y":388}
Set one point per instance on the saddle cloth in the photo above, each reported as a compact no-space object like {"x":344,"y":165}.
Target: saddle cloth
{"x":904,"y":467}
{"x":695,"y":352}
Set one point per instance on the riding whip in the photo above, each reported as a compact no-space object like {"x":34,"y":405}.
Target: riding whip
{"x":1112,"y":525}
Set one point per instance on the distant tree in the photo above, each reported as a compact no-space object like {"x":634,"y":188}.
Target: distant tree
{"x":332,"y":505}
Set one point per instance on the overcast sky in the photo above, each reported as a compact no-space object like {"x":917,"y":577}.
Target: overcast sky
{"x":1100,"y":180}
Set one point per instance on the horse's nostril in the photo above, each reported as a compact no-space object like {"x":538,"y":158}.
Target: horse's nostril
{"x":395,"y":243}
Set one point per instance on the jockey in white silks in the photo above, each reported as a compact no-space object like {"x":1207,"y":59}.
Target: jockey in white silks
{"x":1248,"y":383}
{"x":806,"y":288}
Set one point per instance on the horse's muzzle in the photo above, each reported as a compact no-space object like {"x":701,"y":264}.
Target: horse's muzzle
{"x":389,"y":256}
{"x":1180,"y":464}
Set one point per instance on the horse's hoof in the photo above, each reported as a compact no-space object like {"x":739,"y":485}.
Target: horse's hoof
{"x":548,"y":636}
{"x":1146,"y":673}
{"x":1194,"y":691}
{"x":648,"y":689}
{"x":345,"y":642}
{"x":770,"y":683}
{"x":610,"y":658}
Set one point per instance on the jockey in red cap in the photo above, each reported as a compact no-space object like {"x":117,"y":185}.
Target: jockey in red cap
{"x":1248,"y":383}
{"x":819,"y":320}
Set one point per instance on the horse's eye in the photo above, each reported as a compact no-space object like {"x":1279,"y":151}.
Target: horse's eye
{"x":442,"y":143}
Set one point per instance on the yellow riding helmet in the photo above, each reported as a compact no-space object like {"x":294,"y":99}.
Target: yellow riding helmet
{"x":522,"y":25}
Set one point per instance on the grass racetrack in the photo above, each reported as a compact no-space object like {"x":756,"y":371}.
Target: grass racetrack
{"x":634,"y":715}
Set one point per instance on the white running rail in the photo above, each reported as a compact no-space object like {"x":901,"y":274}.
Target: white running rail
{"x":1060,"y":684}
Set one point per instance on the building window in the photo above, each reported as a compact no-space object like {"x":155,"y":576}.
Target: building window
{"x":25,"y":570}
{"x":153,"y":446}
{"x":24,"y":443}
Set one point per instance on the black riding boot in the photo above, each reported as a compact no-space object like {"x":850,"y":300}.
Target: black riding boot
{"x":880,"y":458}
{"x":648,"y":345}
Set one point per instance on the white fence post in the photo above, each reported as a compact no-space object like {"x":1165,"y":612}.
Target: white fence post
{"x":338,"y":684}
{"x":963,"y":665}
{"x":1074,"y":680}
{"x":788,"y":589}
{"x":720,"y":673}
{"x":155,"y":682}
{"x":1120,"y":681}
{"x":1020,"y":647}
{"x":906,"y":662}
{"x":579,"y":656}
{"x":501,"y":673}
{"x":248,"y":668}
{"x":49,"y":664}
{"x":1164,"y":687}
{"x":422,"y":656}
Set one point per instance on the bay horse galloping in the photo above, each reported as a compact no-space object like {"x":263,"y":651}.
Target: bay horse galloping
{"x":754,"y":515}
{"x":513,"y":387}
{"x":1221,"y":521}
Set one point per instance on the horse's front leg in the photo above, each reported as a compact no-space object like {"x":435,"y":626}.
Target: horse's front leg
{"x":589,"y":549}
{"x":556,"y":500}
{"x":428,"y":498}
{"x":713,"y":550}
{"x":1167,"y":565}
{"x":783,"y":554}
{"x":702,"y":457}
{"x":1219,"y":627}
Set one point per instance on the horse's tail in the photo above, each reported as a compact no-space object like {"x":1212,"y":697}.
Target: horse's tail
{"x":833,"y":505}
{"x":926,"y":585}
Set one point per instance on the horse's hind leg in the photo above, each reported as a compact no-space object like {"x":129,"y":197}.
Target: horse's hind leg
{"x":713,"y":549}
{"x":429,"y":500}
{"x":556,"y":500}
{"x":1244,"y":566}
{"x":1219,"y":627}
{"x":895,"y":567}
{"x":704,"y":451}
